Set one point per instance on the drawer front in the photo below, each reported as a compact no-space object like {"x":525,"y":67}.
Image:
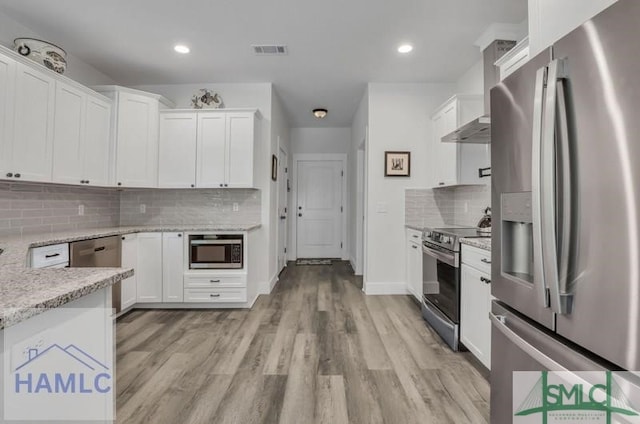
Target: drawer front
{"x":199,"y":282}
{"x":49,"y":255}
{"x":414,"y":235}
{"x":215,"y":296}
{"x":478,"y":258}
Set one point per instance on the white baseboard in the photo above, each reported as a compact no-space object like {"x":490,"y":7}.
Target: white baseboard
{"x":398,"y":287}
{"x":266,"y":287}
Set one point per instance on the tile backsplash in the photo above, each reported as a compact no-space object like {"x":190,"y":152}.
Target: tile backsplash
{"x":27,"y":208}
{"x":462,"y":206}
{"x":200,"y":206}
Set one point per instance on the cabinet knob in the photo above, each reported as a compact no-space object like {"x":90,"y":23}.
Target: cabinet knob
{"x":193,"y":185}
{"x":9,"y":174}
{"x":440,"y":183}
{"x":86,"y":181}
{"x":123,"y":238}
{"x":119,"y":184}
{"x":17,"y":175}
{"x":415,"y":247}
{"x":221,"y":185}
{"x":179,"y":235}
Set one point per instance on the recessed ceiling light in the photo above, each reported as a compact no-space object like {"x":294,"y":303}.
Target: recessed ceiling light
{"x":319,"y":113}
{"x":181,"y":48}
{"x":405,"y":48}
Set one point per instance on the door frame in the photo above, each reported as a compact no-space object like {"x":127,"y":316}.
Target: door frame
{"x":282,"y":180}
{"x":320,"y":157}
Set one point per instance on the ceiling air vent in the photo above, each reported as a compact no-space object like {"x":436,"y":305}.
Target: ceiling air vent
{"x":265,"y":49}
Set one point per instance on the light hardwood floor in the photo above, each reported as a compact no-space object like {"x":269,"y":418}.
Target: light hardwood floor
{"x":317,"y":350}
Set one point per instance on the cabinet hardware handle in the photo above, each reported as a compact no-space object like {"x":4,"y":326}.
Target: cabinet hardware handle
{"x":485,"y":280}
{"x":193,"y":185}
{"x":214,"y":295}
{"x":226,"y":185}
{"x":52,"y":255}
{"x":81,"y":181}
{"x":415,"y":236}
{"x":440,"y":183}
{"x":214,"y":281}
{"x":415,"y":247}
{"x":99,"y":249}
{"x":179,"y":235}
{"x":123,"y":238}
{"x":86,"y":181}
{"x":485,"y":261}
{"x":221,"y":185}
{"x":9,"y":174}
{"x":300,"y":214}
{"x":17,"y":175}
{"x":119,"y":184}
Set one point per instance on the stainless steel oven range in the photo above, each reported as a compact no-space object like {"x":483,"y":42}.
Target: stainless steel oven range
{"x":216,"y":251}
{"x":441,"y":280}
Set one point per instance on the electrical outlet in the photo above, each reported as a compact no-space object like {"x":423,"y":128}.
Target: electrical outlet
{"x":143,"y":208}
{"x":80,"y":210}
{"x":235,"y":207}
{"x":33,"y":345}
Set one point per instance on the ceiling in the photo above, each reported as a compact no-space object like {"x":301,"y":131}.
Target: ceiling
{"x":335,"y":46}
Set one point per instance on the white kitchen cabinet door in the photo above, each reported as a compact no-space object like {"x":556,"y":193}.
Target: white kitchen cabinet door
{"x":97,"y":142}
{"x":69,"y":134}
{"x":137,"y":146}
{"x":149,"y":269}
{"x":129,"y":290}
{"x":172,"y":267}
{"x":211,"y":150}
{"x":7,"y":87}
{"x":240,"y":140}
{"x":32,"y":146}
{"x":177,"y":150}
{"x":475,"y":303}
{"x":414,"y":268}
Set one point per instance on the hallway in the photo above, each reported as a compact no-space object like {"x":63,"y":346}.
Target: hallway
{"x":317,"y":350}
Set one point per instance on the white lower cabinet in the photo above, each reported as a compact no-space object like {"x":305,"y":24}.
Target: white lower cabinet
{"x":475,"y":303}
{"x":129,"y":291}
{"x":149,"y":269}
{"x":172,"y":267}
{"x":414,"y":263}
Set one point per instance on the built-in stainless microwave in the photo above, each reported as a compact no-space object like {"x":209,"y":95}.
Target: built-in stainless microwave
{"x":215,"y":251}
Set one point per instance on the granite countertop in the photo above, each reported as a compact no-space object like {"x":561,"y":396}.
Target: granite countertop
{"x":479,"y":242}
{"x":26,"y":292}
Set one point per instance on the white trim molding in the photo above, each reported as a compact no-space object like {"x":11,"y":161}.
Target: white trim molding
{"x":391,"y":288}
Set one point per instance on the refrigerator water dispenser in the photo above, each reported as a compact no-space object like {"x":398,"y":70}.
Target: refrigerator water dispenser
{"x":517,"y":236}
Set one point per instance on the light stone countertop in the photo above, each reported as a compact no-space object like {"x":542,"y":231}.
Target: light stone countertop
{"x":479,"y":242}
{"x":414,"y":227}
{"x":26,"y":292}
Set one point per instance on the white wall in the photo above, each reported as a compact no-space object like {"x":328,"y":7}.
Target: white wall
{"x":320,"y":140}
{"x":76,"y":69}
{"x":472,"y":81}
{"x":355,"y":234}
{"x":550,"y":20}
{"x":398,"y":121}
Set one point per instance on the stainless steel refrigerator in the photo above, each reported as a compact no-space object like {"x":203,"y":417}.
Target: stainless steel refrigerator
{"x":566,"y":206}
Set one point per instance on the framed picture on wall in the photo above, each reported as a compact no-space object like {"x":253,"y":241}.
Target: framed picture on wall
{"x":274,"y":168}
{"x":397,"y":164}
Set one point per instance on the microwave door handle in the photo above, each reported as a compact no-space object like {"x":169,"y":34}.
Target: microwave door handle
{"x":536,"y":176}
{"x":563,"y":155}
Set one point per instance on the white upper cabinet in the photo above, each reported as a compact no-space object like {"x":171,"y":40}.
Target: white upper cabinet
{"x":241,"y":133}
{"x":81,"y":141}
{"x":32,"y":147}
{"x":135,"y":124}
{"x":457,"y":163}
{"x":550,"y":20}
{"x":212,"y":131}
{"x":97,"y":141}
{"x":68,"y":135}
{"x":177,"y":150}
{"x":207,"y":149}
{"x":7,"y":88}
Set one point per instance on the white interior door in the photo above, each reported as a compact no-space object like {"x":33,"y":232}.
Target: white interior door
{"x":319,"y":209}
{"x":282,"y":209}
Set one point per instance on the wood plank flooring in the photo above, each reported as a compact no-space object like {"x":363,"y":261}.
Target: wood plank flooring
{"x":317,"y":350}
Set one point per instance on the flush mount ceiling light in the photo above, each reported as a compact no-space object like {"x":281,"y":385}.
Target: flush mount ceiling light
{"x":405,"y":48}
{"x":181,"y":48}
{"x":319,"y":113}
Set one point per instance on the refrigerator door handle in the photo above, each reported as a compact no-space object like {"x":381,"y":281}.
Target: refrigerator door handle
{"x":500,"y":323}
{"x":536,"y":175}
{"x":548,"y":185}
{"x":564,"y":223}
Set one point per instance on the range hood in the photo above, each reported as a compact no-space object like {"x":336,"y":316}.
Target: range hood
{"x":478,"y":131}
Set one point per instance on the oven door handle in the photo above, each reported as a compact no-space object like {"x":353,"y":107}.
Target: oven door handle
{"x":448,"y":259}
